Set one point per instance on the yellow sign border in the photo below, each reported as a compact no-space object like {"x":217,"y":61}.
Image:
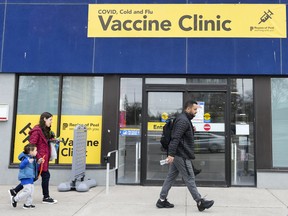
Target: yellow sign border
{"x":187,"y":20}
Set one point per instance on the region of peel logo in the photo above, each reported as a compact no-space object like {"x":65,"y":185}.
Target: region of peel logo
{"x":263,"y":19}
{"x":64,"y":126}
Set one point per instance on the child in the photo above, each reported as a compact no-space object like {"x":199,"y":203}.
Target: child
{"x":27,"y":175}
{"x":13,"y":192}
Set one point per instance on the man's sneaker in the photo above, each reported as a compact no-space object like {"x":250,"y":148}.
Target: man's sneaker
{"x":204,"y":204}
{"x":28,"y":206}
{"x":13,"y":202}
{"x":164,"y":204}
{"x":12,"y":192}
{"x":49,"y":200}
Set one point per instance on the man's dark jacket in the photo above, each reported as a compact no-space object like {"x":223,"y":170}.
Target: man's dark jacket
{"x":182,"y":142}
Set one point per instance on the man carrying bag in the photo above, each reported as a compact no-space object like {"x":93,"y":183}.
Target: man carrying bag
{"x":180,"y":156}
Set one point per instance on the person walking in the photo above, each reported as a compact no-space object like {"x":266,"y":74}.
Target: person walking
{"x":27,"y":175}
{"x":180,"y":156}
{"x":41,"y":135}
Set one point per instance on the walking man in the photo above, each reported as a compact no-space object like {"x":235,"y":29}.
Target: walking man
{"x":180,"y":156}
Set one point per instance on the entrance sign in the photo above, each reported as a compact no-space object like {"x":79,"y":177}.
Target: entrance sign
{"x":156,"y":126}
{"x":187,"y":20}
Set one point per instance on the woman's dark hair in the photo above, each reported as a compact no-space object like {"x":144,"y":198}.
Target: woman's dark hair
{"x":46,"y":130}
{"x":29,"y":147}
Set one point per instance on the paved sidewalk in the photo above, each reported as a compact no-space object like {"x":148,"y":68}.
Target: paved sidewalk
{"x":139,"y":200}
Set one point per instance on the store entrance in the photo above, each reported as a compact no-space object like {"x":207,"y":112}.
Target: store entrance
{"x":210,"y":135}
{"x":224,"y":140}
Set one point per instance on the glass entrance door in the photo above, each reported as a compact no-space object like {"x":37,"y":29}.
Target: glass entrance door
{"x":210,"y":136}
{"x":161,"y":106}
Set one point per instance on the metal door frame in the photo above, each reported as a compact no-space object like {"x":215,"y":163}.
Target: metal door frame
{"x":185,"y":88}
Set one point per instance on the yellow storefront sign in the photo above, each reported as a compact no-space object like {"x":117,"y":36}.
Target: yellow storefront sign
{"x":94,"y":130}
{"x":156,"y":126}
{"x":187,"y":20}
{"x":24,"y":123}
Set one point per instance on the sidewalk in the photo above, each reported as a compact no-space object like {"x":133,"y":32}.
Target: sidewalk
{"x":139,"y":200}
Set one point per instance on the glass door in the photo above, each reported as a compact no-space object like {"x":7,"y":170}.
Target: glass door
{"x":210,"y":135}
{"x":161,"y":106}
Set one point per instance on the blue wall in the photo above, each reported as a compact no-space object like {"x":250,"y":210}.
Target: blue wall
{"x":45,"y":36}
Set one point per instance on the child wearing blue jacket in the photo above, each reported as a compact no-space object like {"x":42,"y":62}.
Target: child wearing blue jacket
{"x":27,"y":175}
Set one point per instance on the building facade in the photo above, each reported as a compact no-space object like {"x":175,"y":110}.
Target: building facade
{"x":124,"y":88}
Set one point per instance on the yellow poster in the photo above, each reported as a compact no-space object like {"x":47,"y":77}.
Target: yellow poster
{"x":156,"y":126}
{"x":94,"y":130}
{"x":187,"y":20}
{"x":24,"y":123}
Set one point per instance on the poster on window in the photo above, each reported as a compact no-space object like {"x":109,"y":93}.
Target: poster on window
{"x":24,"y":123}
{"x":94,"y":130}
{"x":199,"y":117}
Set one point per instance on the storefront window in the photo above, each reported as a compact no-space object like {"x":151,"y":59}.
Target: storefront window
{"x":36,"y":94}
{"x":130,"y":130}
{"x":81,"y":104}
{"x":242,"y":132}
{"x":279,"y":121}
